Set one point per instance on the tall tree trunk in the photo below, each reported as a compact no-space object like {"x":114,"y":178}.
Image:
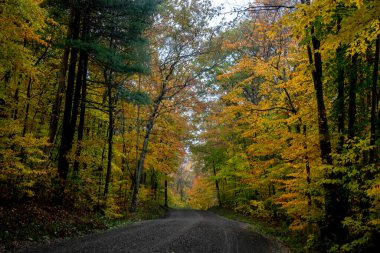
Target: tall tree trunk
{"x":142,"y":178}
{"x":374,"y":104}
{"x":154,"y":183}
{"x":166,"y":193}
{"x":324,"y":135}
{"x":335,"y":206}
{"x":56,"y":110}
{"x":16,"y":98}
{"x":66,"y":141}
{"x":235,"y":191}
{"x":140,"y":166}
{"x":340,"y":99}
{"x":308,"y":180}
{"x":82,"y":115}
{"x":352,"y":98}
{"x":78,"y":84}
{"x":124,"y":162}
{"x":82,"y":79}
{"x":137,"y":139}
{"x":76,"y":98}
{"x":100,"y":169}
{"x":27,"y":107}
{"x":216,"y":185}
{"x":110,"y":140}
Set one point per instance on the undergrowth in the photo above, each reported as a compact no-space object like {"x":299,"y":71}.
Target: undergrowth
{"x":29,"y":224}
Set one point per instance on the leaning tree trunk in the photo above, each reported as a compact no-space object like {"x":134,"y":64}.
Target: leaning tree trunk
{"x":139,"y":168}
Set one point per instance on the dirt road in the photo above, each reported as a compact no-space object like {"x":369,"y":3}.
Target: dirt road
{"x":182,"y":231}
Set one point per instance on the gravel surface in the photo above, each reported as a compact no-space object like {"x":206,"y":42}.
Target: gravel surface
{"x":181,"y":231}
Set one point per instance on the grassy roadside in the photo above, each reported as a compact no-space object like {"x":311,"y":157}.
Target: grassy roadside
{"x":273,"y":230}
{"x":28,"y":225}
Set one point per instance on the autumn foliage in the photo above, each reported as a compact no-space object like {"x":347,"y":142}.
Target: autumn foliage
{"x":93,"y":99}
{"x":116,"y":106}
{"x":293,"y":133}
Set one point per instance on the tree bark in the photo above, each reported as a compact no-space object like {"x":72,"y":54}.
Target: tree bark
{"x":16,"y":98}
{"x":81,"y":116}
{"x":308,"y":182}
{"x":217,"y":185}
{"x":374,"y":104}
{"x":100,"y":169}
{"x":335,"y":203}
{"x":82,"y":77}
{"x":138,"y":139}
{"x":27,"y":107}
{"x":110,"y":140}
{"x":324,"y":135}
{"x":139,"y":168}
{"x":352,"y":98}
{"x":340,"y":99}
{"x":76,"y":98}
{"x":154,"y":183}
{"x":56,"y":110}
{"x":66,"y":141}
{"x":166,"y":193}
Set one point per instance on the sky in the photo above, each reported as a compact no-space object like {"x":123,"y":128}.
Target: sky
{"x":229,"y":5}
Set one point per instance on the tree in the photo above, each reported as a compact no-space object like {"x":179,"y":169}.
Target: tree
{"x":117,"y":58}
{"x":172,"y":59}
{"x":278,"y":149}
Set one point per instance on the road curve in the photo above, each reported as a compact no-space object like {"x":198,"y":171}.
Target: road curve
{"x":182,"y":231}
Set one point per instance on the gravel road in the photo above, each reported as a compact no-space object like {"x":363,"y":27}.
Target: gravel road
{"x":182,"y":231}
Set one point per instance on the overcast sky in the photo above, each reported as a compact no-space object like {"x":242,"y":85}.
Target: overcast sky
{"x":229,"y":5}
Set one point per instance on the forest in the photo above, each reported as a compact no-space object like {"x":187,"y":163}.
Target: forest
{"x":119,"y":109}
